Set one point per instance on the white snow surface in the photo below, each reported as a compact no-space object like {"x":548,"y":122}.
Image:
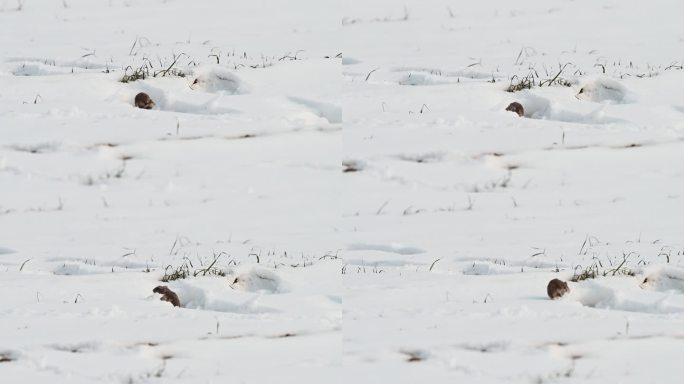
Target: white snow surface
{"x":341,"y":191}
{"x":239,"y":160}
{"x":459,"y":213}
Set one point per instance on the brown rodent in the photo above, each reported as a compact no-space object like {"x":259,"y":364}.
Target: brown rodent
{"x":143,"y":100}
{"x":516,"y":107}
{"x":167,"y":295}
{"x":557,"y":288}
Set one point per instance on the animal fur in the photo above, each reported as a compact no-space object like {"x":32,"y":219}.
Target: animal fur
{"x":167,"y":295}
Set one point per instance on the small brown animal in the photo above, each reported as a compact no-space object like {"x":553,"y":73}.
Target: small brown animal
{"x":516,"y":107}
{"x":167,"y":295}
{"x":143,"y":100}
{"x":557,"y":288}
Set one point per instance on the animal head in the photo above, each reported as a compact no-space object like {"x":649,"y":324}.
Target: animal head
{"x":143,"y":101}
{"x":557,"y":288}
{"x":516,"y":107}
{"x":161,"y":289}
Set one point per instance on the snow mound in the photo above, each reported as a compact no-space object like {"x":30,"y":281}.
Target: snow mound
{"x":39,"y":69}
{"x":213,"y":294}
{"x":170,"y":97}
{"x":390,"y":248}
{"x":50,"y":67}
{"x":210,"y":107}
{"x":330,"y":112}
{"x":664,"y":279}
{"x":218,"y":80}
{"x":422,"y":79}
{"x":454,"y":76}
{"x":44,"y":147}
{"x":258,"y":280}
{"x":542,"y":108}
{"x":68,"y":269}
{"x":89,"y":346}
{"x":426,"y":157}
{"x":595,"y":295}
{"x":350,"y":61}
{"x":603,"y":90}
{"x":487,"y":268}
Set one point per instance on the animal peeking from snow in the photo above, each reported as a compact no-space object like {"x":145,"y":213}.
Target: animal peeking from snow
{"x":557,"y":288}
{"x":217,"y":80}
{"x":167,"y":295}
{"x":257,"y":280}
{"x":516,"y":107}
{"x":144,"y":101}
{"x":353,"y":165}
{"x":603,"y":90}
{"x":664,"y":279}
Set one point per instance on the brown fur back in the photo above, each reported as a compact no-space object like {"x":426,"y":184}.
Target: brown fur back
{"x":143,"y":100}
{"x":167,"y":295}
{"x":557,"y":288}
{"x":516,"y":107}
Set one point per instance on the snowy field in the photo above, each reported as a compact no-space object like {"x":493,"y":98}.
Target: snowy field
{"x":459,"y":213}
{"x":239,"y":163}
{"x":336,"y":193}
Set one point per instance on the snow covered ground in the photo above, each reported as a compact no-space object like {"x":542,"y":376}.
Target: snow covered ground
{"x":336,"y":192}
{"x":239,"y":162}
{"x":459,"y":213}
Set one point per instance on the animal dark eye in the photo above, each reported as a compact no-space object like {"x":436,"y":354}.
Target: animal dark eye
{"x":235,"y":281}
{"x":195,"y":82}
{"x":581,"y":90}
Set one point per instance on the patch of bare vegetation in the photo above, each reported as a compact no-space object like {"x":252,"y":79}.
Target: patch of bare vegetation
{"x":606,"y":265}
{"x":147,"y":69}
{"x":532,"y":79}
{"x":347,"y":21}
{"x":187,"y":269}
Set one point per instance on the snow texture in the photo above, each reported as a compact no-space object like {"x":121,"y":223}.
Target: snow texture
{"x":336,"y":192}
